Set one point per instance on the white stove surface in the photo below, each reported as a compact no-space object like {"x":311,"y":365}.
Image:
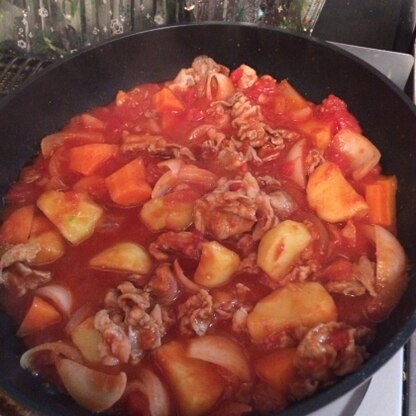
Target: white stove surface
{"x":385,"y":392}
{"x":381,"y":396}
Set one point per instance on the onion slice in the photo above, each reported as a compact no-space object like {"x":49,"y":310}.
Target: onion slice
{"x":179,"y":173}
{"x":391,"y":277}
{"x":92,"y":389}
{"x":221,"y":351}
{"x":188,"y":284}
{"x":79,"y":316}
{"x":59,"y":295}
{"x":199,"y":132}
{"x":50,"y":143}
{"x":296,"y":156}
{"x":157,"y":396}
{"x":55,"y":349}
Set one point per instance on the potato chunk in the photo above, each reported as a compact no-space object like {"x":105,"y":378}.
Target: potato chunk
{"x":277,"y":369}
{"x":281,"y":247}
{"x":163,"y":213}
{"x":216,"y":265}
{"x":123,"y":257}
{"x":52,"y":247}
{"x":332,"y":196}
{"x":73,"y":213}
{"x":319,"y":131}
{"x":297,"y":304}
{"x":196,"y":384}
{"x":88,"y":340}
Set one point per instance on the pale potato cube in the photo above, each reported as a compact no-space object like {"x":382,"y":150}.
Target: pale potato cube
{"x":52,"y":247}
{"x":360,"y":152}
{"x":297,"y":304}
{"x":73,"y":213}
{"x":123,"y":257}
{"x":319,"y":131}
{"x":88,"y":340}
{"x":216,"y":265}
{"x":281,"y":247}
{"x":332,"y":196}
{"x":163,"y":214}
{"x":196,"y":384}
{"x":277,"y":369}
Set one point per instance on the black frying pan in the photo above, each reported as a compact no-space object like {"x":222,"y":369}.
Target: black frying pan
{"x":92,"y":78}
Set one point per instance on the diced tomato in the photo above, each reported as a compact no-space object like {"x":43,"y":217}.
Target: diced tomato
{"x":130,"y":104}
{"x":333,"y":108}
{"x":236,"y":75}
{"x":264,"y":85}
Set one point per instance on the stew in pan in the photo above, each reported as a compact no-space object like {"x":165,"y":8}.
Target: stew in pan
{"x":210,"y":245}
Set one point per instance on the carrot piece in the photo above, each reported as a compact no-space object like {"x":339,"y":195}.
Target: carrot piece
{"x":128,"y":186}
{"x":165,"y":100}
{"x":277,"y":369}
{"x":88,"y":158}
{"x":381,"y":199}
{"x":40,"y":315}
{"x":16,"y":228}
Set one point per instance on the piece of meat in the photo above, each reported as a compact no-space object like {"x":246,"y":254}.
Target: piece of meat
{"x":24,"y":278}
{"x":233,"y":305}
{"x":169,"y":245}
{"x":359,"y":278}
{"x":14,"y":270}
{"x":196,"y":314}
{"x":197,"y":75}
{"x":235,"y":207}
{"x":155,"y":146}
{"x":254,"y":141}
{"x":331,"y":350}
{"x":239,"y":320}
{"x":116,"y":346}
{"x":313,"y":160}
{"x":282,"y":203}
{"x":163,"y":285}
{"x":18,"y":253}
{"x":130,"y":324}
{"x":247,"y":78}
{"x":252,"y":129}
